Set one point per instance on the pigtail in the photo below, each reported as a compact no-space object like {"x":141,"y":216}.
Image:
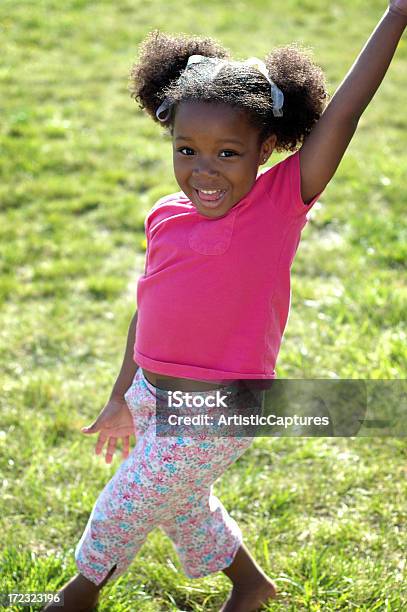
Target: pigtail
{"x":162,"y":58}
{"x":305,"y":96}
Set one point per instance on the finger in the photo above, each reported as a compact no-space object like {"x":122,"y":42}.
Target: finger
{"x":111,"y":447}
{"x":100,"y":443}
{"x":126,"y":446}
{"x":93,"y":428}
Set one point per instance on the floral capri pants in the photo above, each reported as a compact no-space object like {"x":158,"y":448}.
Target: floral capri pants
{"x":165,"y":482}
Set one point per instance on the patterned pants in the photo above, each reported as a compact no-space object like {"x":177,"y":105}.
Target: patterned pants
{"x":165,"y":482}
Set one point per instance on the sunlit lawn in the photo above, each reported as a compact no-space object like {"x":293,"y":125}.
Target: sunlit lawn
{"x":80,"y":167}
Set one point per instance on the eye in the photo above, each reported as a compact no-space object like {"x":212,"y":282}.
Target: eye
{"x":187,"y":151}
{"x":229,"y":153}
{"x":190,"y":151}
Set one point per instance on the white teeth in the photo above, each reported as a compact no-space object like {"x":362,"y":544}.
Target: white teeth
{"x":210,"y":191}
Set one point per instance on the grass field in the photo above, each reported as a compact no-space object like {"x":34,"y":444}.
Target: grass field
{"x":80,"y":167}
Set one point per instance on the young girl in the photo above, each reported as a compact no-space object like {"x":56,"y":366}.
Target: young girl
{"x":214,"y":299}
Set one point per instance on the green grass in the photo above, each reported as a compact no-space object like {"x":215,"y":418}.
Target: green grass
{"x":80,"y":167}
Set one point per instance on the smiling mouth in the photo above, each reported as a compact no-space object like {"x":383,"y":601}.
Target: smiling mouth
{"x":211,"y":198}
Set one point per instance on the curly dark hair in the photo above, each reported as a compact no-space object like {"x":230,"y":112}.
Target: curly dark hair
{"x":160,"y":73}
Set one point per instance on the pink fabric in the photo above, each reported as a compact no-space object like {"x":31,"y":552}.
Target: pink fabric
{"x":215,"y":297}
{"x":166,"y":482}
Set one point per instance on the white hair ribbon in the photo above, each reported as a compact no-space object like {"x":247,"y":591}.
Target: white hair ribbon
{"x":164,"y":110}
{"x":277,"y":95}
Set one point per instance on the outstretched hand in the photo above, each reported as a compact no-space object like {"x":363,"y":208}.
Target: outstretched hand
{"x":399,"y":6}
{"x":114,"y":422}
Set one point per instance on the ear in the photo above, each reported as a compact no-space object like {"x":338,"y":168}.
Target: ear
{"x":266,"y":149}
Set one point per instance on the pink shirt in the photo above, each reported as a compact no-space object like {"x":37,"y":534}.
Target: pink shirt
{"x":215,"y":296}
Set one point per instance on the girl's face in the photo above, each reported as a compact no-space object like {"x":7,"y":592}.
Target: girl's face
{"x":215,"y":148}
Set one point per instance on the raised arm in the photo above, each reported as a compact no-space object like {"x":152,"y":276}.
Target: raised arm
{"x":325,"y":146}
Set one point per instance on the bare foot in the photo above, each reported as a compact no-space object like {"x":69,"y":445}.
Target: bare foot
{"x":250,"y":599}
{"x":80,"y":595}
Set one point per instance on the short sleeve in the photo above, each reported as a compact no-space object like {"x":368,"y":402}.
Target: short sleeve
{"x":166,"y":207}
{"x":148,"y":221}
{"x":283,"y":184}
{"x":151,"y":220}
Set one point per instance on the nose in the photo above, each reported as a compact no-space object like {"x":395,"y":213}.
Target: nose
{"x":204,"y":167}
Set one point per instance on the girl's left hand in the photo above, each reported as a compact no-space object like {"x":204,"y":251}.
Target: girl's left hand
{"x":398,"y":6}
